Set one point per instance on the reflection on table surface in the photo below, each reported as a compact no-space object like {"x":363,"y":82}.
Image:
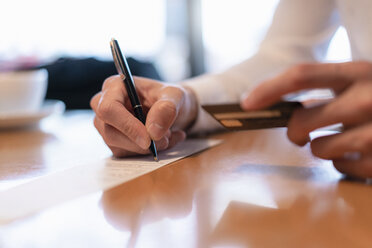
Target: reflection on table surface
{"x":254,"y":190}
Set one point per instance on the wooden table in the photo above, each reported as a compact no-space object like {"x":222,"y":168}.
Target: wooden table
{"x":254,"y":190}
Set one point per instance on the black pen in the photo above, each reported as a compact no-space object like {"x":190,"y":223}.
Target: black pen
{"x":125,"y":74}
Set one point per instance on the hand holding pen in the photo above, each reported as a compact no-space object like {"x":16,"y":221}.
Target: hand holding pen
{"x":168,"y":110}
{"x":127,"y":78}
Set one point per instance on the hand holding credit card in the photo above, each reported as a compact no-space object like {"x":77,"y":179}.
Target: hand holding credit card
{"x":233,"y":117}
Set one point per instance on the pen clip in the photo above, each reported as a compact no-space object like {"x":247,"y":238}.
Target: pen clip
{"x":117,"y":61}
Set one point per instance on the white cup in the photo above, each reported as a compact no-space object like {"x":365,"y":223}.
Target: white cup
{"x":22,"y":92}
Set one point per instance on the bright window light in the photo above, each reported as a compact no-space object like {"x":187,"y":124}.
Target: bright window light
{"x":339,"y":48}
{"x":233,"y":29}
{"x":46,"y":28}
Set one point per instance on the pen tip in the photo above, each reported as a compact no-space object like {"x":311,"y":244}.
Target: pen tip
{"x":156,"y":159}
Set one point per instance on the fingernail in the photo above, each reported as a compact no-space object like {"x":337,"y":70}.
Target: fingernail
{"x":163,"y":144}
{"x":156,"y":131}
{"x":246,"y":101}
{"x":144,"y":143}
{"x":352,"y":155}
{"x":244,"y":104}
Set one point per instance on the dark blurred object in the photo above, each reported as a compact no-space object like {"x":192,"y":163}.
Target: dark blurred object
{"x":75,"y":81}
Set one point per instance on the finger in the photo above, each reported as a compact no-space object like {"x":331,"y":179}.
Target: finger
{"x":114,"y":138}
{"x":339,"y":110}
{"x":111,"y":82}
{"x":170,"y":139}
{"x":115,"y":86}
{"x":308,"y":76}
{"x":105,"y":134}
{"x":335,"y":146}
{"x":168,"y":133}
{"x":360,"y":168}
{"x":177,"y":136}
{"x":119,"y":153}
{"x":306,"y":120}
{"x":95,"y":100}
{"x":164,"y":111}
{"x":111,"y":110}
{"x":161,"y":145}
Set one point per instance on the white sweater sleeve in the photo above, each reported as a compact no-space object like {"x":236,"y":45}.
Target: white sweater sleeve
{"x":300,"y":32}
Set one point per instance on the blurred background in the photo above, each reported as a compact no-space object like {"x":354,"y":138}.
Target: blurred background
{"x":172,"y":39}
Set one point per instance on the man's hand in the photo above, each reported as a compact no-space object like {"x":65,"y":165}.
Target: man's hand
{"x":169,"y":109}
{"x":351,"y":150}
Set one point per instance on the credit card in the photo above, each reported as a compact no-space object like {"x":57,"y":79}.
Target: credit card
{"x":232,"y":117}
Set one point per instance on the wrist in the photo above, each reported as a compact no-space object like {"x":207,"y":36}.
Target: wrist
{"x":189,"y":110}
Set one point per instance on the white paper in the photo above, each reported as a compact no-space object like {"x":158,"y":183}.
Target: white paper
{"x":61,"y":186}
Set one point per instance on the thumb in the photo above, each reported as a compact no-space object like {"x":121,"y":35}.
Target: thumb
{"x":164,"y":112}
